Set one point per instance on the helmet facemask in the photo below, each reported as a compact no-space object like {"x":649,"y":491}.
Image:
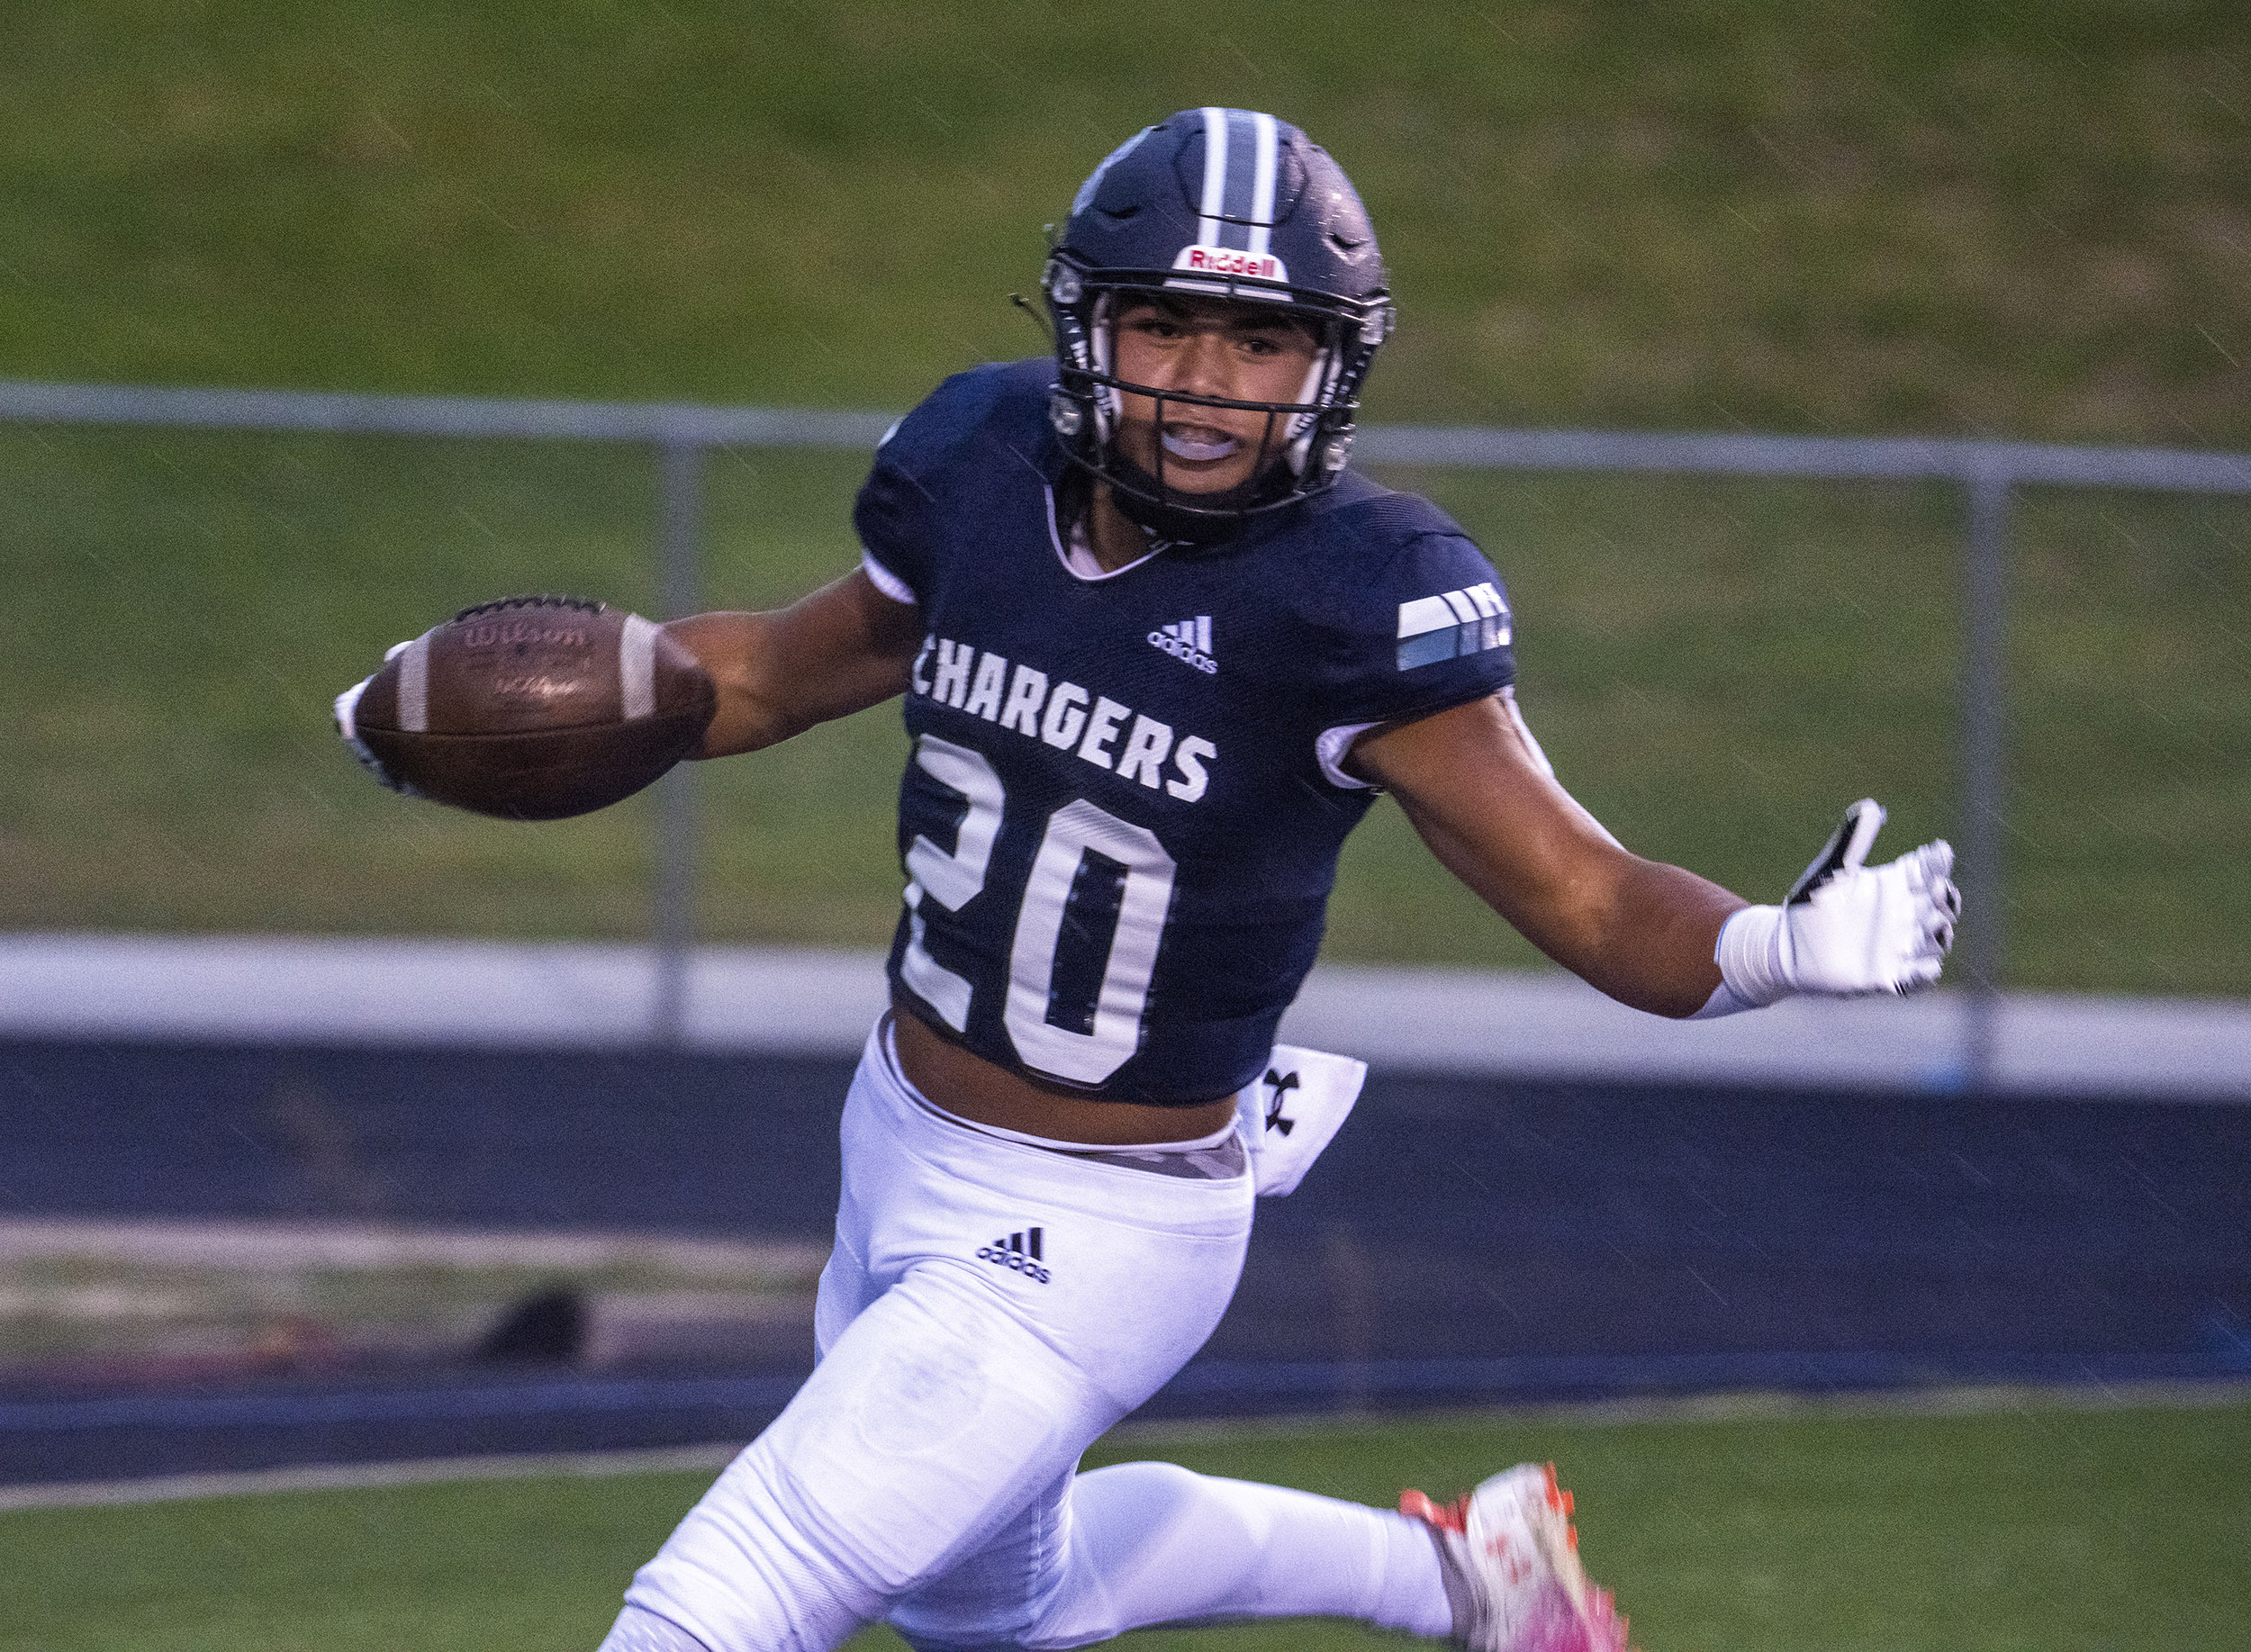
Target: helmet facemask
{"x":1303,"y":444}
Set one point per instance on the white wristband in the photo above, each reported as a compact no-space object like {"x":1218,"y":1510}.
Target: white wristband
{"x":1750,"y":955}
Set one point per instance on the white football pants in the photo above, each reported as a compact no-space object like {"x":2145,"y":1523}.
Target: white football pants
{"x":990,"y":1310}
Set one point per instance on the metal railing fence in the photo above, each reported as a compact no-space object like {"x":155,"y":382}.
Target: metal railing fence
{"x":680,"y":435}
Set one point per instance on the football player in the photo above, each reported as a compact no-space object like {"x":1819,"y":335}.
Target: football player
{"x":1160,"y":649}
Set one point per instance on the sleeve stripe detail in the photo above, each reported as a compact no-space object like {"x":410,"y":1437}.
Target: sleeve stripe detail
{"x":1448,"y":625}
{"x":1423,"y":614}
{"x":898,"y":590}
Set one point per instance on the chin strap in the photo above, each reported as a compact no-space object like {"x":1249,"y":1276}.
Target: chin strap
{"x":1169,"y":529}
{"x":1139,"y":498}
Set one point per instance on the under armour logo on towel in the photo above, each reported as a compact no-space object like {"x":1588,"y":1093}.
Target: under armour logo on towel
{"x":1282,"y":1083}
{"x":1318,"y":1088}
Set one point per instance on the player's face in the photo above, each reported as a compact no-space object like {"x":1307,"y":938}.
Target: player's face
{"x":1235,"y":350}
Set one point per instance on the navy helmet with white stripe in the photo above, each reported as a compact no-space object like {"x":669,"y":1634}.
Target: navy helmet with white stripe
{"x":1226,"y":203}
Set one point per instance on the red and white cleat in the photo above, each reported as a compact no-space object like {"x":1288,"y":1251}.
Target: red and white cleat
{"x":1515,"y":1579}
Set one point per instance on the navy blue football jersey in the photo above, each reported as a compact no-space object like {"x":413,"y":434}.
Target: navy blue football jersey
{"x":1121,"y":817}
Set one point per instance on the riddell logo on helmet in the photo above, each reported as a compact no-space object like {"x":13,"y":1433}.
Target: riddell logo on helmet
{"x":1229,"y":261}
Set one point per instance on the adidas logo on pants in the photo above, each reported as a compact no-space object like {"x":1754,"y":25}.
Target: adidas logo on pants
{"x":1020,"y":1252}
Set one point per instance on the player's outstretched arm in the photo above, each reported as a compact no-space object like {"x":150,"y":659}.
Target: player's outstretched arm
{"x":844,"y":648}
{"x":1650,"y":935}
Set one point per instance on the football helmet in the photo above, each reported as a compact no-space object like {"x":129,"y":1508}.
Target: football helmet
{"x":1216,"y":203}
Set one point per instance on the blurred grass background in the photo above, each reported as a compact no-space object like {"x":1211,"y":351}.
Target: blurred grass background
{"x":2060,"y":1529}
{"x":1904,"y":218}
{"x":1929,"y":215}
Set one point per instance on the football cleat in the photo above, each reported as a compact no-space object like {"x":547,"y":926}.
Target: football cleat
{"x":1512,"y":1556}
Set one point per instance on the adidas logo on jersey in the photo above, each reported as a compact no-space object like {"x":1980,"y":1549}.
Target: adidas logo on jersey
{"x":1018,"y":1252}
{"x":1445,"y":628}
{"x":1188,"y":640}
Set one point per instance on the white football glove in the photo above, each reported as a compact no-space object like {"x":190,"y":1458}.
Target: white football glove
{"x":1846,"y":929}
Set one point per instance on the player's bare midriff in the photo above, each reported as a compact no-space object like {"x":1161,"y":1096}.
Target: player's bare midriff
{"x":974,"y":1089}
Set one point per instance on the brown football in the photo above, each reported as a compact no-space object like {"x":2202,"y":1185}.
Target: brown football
{"x":532,"y":709}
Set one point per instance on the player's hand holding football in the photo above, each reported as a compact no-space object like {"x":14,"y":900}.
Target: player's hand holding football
{"x":1847,"y":929}
{"x":529,"y":708}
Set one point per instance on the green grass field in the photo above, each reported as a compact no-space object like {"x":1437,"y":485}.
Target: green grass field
{"x":1914,"y":215}
{"x":1906,"y":217}
{"x":2040,"y":1530}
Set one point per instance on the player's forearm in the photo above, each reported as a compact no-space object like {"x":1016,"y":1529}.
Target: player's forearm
{"x":1640,"y":931}
{"x":757,"y":706}
{"x":1650,"y":943}
{"x":779,"y":672}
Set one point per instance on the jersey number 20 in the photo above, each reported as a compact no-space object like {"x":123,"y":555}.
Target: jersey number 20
{"x":953,"y":877}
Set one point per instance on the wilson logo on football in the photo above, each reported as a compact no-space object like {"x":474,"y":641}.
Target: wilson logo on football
{"x":527,"y":633}
{"x":1230,"y":261}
